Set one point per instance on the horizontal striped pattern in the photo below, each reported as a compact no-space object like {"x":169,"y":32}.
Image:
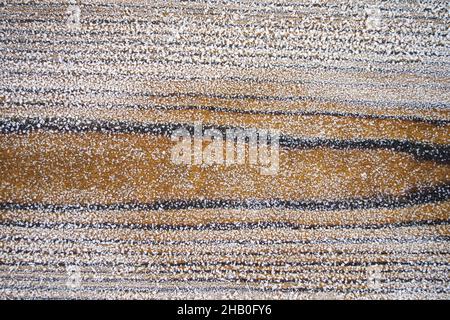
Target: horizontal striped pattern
{"x":91,"y":205}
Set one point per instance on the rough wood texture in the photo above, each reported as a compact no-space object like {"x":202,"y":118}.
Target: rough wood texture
{"x":92,"y":206}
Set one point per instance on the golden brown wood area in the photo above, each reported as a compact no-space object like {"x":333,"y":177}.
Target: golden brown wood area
{"x":101,"y":168}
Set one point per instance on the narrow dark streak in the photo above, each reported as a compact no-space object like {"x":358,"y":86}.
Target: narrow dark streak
{"x":422,"y":196}
{"x":237,"y":263}
{"x":231,"y":254}
{"x":419,"y":150}
{"x":259,"y":242}
{"x":220,"y":109}
{"x":215,"y":226}
{"x":243,"y":97}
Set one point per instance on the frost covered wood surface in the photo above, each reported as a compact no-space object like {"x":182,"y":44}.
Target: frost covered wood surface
{"x":92,"y":207}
